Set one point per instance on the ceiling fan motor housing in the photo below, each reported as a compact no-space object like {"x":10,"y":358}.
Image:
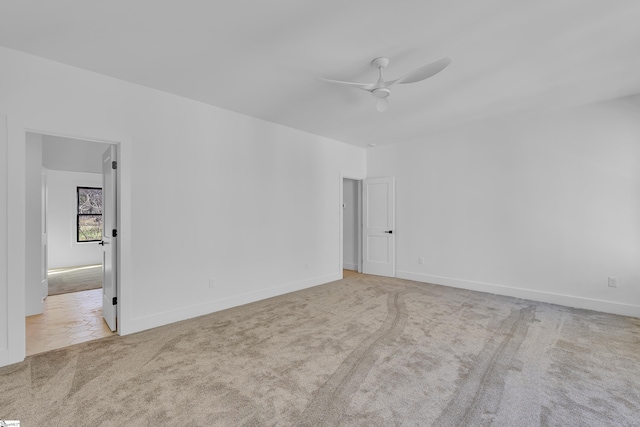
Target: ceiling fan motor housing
{"x":380,"y":62}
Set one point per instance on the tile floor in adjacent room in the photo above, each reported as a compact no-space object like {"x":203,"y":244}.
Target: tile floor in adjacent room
{"x":349,"y":273}
{"x":67,"y":319}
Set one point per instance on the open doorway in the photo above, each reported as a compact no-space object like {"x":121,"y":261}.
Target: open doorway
{"x":351,"y":226}
{"x":367,"y":222}
{"x":64,"y":305}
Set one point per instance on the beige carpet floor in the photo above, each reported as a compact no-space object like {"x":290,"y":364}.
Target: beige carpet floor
{"x":363,"y":351}
{"x":75,"y":279}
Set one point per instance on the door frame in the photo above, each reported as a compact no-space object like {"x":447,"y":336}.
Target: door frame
{"x":44,"y":217}
{"x":17,"y":128}
{"x":358,"y":178}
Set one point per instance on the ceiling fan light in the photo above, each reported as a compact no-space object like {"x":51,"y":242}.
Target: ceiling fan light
{"x":382,"y":104}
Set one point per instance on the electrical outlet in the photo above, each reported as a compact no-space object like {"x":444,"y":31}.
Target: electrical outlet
{"x":212,"y":283}
{"x":420,"y":260}
{"x":613,"y":282}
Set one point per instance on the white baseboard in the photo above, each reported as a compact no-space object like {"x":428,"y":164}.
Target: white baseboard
{"x":349,"y":266}
{"x":548,"y":297}
{"x":147,"y":322}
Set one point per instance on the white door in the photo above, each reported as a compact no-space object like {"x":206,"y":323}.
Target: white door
{"x":109,"y":233}
{"x":378,"y":238}
{"x":44,"y":273}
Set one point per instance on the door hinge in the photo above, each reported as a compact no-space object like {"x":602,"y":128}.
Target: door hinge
{"x":114,"y":165}
{"x":114,"y":233}
{"x":115,"y":300}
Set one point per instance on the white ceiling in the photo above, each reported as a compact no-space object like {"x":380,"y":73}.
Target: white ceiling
{"x":72,"y":155}
{"x":261,"y":58}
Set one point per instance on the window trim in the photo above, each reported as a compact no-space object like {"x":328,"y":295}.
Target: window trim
{"x":78,"y":214}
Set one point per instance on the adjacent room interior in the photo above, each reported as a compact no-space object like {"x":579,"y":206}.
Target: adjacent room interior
{"x":64,"y":226}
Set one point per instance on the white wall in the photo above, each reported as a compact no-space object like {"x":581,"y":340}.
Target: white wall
{"x":543,"y":207}
{"x":64,"y":250}
{"x":350,"y":224}
{"x":207,"y":194}
{"x":33,"y":218}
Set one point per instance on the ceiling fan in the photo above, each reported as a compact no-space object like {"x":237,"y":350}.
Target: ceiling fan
{"x":380,"y":89}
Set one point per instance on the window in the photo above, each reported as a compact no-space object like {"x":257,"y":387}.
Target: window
{"x":89,"y":214}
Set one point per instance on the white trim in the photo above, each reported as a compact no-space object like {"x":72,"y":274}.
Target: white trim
{"x":4,"y":245}
{"x":533,"y":295}
{"x":16,"y":257}
{"x":147,"y":322}
{"x":124,"y":267}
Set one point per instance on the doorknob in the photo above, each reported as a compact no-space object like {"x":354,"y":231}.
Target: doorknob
{"x":389,"y":232}
{"x":101,"y":243}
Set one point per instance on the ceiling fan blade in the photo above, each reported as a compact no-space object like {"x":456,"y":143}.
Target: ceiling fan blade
{"x":382,"y":104}
{"x":364,"y":86}
{"x":424,"y":72}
